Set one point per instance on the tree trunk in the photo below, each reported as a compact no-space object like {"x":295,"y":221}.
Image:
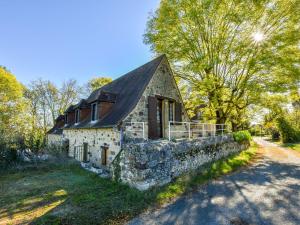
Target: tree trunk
{"x":234,"y":126}
{"x":220,"y":120}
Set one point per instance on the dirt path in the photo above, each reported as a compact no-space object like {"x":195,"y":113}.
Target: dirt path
{"x":268,"y":192}
{"x":278,"y":153}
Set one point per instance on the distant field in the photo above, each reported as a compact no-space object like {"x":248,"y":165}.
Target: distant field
{"x":56,"y":194}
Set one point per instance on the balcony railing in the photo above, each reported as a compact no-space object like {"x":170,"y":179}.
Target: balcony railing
{"x":193,"y":130}
{"x":176,"y":130}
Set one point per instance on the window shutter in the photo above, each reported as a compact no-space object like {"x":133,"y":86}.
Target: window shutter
{"x":178,"y":112}
{"x":152,"y":123}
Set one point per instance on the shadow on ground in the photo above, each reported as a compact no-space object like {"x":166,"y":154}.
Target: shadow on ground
{"x":267,"y":193}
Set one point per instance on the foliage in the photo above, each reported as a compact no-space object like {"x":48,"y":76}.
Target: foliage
{"x":97,"y":83}
{"x":208,"y":172}
{"x":243,"y":136}
{"x":293,"y":146}
{"x":295,"y":100}
{"x":12,"y":110}
{"x":56,"y":150}
{"x":288,"y":133}
{"x":67,"y":194}
{"x":11,"y":102}
{"x":47,"y":101}
{"x":7,"y":153}
{"x":228,"y":53}
{"x":35,"y":140}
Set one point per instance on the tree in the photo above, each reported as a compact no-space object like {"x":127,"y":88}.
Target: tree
{"x":11,"y":101}
{"x":48,"y":101}
{"x":295,"y":99}
{"x":98,"y":82}
{"x":12,"y":116}
{"x":229,"y":52}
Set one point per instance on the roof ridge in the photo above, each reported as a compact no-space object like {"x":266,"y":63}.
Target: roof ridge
{"x":128,"y":73}
{"x":129,"y":88}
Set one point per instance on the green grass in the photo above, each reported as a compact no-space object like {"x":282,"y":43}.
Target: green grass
{"x":293,"y":146}
{"x":67,"y":194}
{"x":211,"y":171}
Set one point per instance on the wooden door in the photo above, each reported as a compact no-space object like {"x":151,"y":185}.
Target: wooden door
{"x":104,"y":155}
{"x":178,"y":112}
{"x":155,"y":118}
{"x":152,"y":123}
{"x":159,"y":118}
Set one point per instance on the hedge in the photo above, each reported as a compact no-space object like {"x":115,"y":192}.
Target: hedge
{"x":243,"y":136}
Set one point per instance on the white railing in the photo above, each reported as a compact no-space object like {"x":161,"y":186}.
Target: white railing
{"x":176,"y":130}
{"x":192,"y":130}
{"x":135,"y":129}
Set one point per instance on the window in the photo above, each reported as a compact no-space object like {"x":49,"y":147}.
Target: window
{"x":171,"y":111}
{"x":77,"y":114}
{"x":94,"y":112}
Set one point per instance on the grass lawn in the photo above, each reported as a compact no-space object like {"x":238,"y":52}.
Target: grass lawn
{"x":67,"y":194}
{"x":294,"y":146}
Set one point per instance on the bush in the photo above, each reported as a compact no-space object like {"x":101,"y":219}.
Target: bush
{"x":275,"y":134}
{"x":56,"y":150}
{"x":288,"y":133}
{"x":8,"y":152}
{"x":242,"y":137}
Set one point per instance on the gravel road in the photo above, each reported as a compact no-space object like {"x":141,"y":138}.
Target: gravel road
{"x":267,"y":192}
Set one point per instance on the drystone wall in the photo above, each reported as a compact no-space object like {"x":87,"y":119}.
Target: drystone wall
{"x":155,"y":163}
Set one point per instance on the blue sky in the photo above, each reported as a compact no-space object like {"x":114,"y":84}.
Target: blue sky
{"x":62,"y":39}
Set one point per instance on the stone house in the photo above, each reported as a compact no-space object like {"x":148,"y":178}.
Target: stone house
{"x":139,"y":104}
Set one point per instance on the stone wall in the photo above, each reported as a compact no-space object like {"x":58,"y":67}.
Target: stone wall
{"x":155,"y":163}
{"x":95,"y":139}
{"x":163,"y":84}
{"x":54,"y":139}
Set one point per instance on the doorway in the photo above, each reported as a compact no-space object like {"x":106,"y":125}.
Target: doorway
{"x":104,"y":151}
{"x":155,"y":117}
{"x":85,"y":152}
{"x":159,"y":118}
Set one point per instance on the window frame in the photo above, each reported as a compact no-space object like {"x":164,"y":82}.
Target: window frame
{"x":96,"y":112}
{"x":77,"y":116}
{"x":66,"y":118}
{"x":173,"y":111}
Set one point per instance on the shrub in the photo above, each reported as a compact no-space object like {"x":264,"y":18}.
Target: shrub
{"x":288,"y":133}
{"x":275,"y":134}
{"x":242,"y":137}
{"x":8,"y":152}
{"x":56,"y":150}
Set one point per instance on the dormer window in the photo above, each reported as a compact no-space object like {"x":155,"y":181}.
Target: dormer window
{"x":77,"y":115}
{"x":94,"y":112}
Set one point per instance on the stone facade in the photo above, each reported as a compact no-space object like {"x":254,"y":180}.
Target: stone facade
{"x":162,"y":84}
{"x":155,"y":163}
{"x":54,"y":139}
{"x":95,"y":138}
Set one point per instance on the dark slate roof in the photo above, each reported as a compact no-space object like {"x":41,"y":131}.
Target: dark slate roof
{"x":56,"y":129}
{"x":125,"y":91}
{"x":60,"y":117}
{"x":71,"y":107}
{"x":81,"y":104}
